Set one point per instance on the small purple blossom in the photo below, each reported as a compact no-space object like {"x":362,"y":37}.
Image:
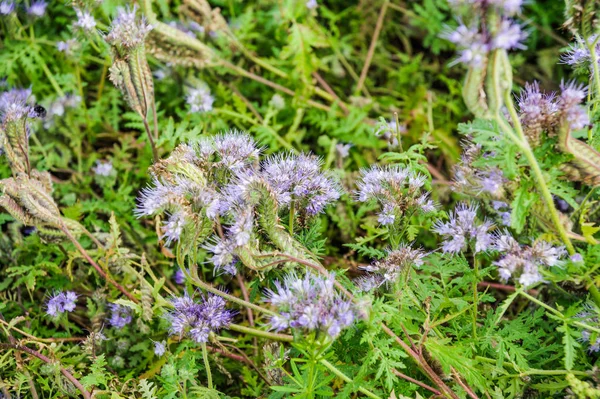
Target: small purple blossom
{"x":37,"y":8}
{"x":310,"y":304}
{"x":464,"y":229}
{"x":298,"y":179}
{"x":509,"y":36}
{"x":589,"y":315}
{"x":126,"y":30}
{"x":199,"y":99}
{"x":60,"y":303}
{"x":576,"y":258}
{"x":120,"y":315}
{"x":160,"y":348}
{"x":388,"y":270}
{"x":15,"y":105}
{"x":173,"y":227}
{"x":179,"y":277}
{"x":343,"y":150}
{"x":198,"y":320}
{"x":85,"y":20}
{"x":312,"y":4}
{"x":570,"y":97}
{"x":67,"y":46}
{"x":103,"y":168}
{"x":234,"y":150}
{"x":7,"y":7}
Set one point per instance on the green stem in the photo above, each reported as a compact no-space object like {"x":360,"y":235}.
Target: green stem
{"x":347,"y":379}
{"x":475,"y":295}
{"x":260,"y":333}
{"x":596,"y":70}
{"x":207,"y":365}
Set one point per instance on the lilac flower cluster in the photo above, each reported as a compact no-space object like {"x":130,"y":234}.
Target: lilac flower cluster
{"x":198,"y":320}
{"x":475,"y":42}
{"x":7,"y":7}
{"x":120,"y":315}
{"x":310,"y":304}
{"x":218,"y":177}
{"x":60,"y":303}
{"x":298,"y":180}
{"x":126,"y":30}
{"x":525,"y":260}
{"x":544,"y":111}
{"x":387,"y":271}
{"x":36,"y":8}
{"x":199,"y":99}
{"x":398,"y":190}
{"x":464,"y":229}
{"x":475,"y":181}
{"x":179,"y":276}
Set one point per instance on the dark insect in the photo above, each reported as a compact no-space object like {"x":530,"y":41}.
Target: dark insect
{"x":39,"y":111}
{"x":28,"y":230}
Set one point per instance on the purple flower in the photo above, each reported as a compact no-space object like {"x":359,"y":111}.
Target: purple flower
{"x":173,"y":227}
{"x":233,"y":150}
{"x":37,"y":8}
{"x":571,"y":96}
{"x":120,"y":315}
{"x":179,"y":277}
{"x":310,"y":304}
{"x":16,"y":104}
{"x":525,"y":260}
{"x":589,"y":315}
{"x":126,"y":30}
{"x":576,"y":258}
{"x":60,"y":303}
{"x":85,"y":20}
{"x":343,"y":150}
{"x":396,"y":189}
{"x":160,"y":348}
{"x":509,"y":36}
{"x":388,"y":270}
{"x":198,"y":320}
{"x":157,"y":198}
{"x":7,"y":7}
{"x":66,"y":46}
{"x":536,"y":109}
{"x":298,"y":179}
{"x":491,"y":181}
{"x":463,"y":229}
{"x":103,"y":168}
{"x":199,"y":99}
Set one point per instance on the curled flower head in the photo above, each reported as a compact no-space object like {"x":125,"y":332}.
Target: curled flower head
{"x":233,"y":150}
{"x":197,"y":320}
{"x":120,"y":315}
{"x":537,"y":111}
{"x":388,"y":270}
{"x":396,"y":189}
{"x":571,"y":96}
{"x":61,"y":303}
{"x":128,"y":31}
{"x":299,"y":179}
{"x":310,"y":304}
{"x":463,"y":229}
{"x":525,"y":261}
{"x":589,"y":315}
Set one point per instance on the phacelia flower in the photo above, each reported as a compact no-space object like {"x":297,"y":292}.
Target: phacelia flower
{"x":298,"y":179}
{"x":160,"y":348}
{"x":66,"y":46}
{"x":463,"y":229}
{"x":579,"y":55}
{"x":509,"y":36}
{"x":233,"y":150}
{"x":16,"y":104}
{"x":60,"y":303}
{"x":198,"y":320}
{"x":343,"y":150}
{"x":103,"y":168}
{"x":126,"y":30}
{"x":277,"y":102}
{"x":389,"y":131}
{"x":312,"y":4}
{"x":37,"y":8}
{"x":525,"y":261}
{"x":179,"y":277}
{"x":569,"y":101}
{"x":120,"y":315}
{"x":156,"y":198}
{"x":396,"y":189}
{"x":85,"y":20}
{"x":173,"y":227}
{"x":310,"y":304}
{"x":199,"y":99}
{"x":387,"y":270}
{"x":7,"y":7}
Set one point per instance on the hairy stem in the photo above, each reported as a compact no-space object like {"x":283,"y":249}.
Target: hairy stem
{"x":347,"y":379}
{"x":207,"y":365}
